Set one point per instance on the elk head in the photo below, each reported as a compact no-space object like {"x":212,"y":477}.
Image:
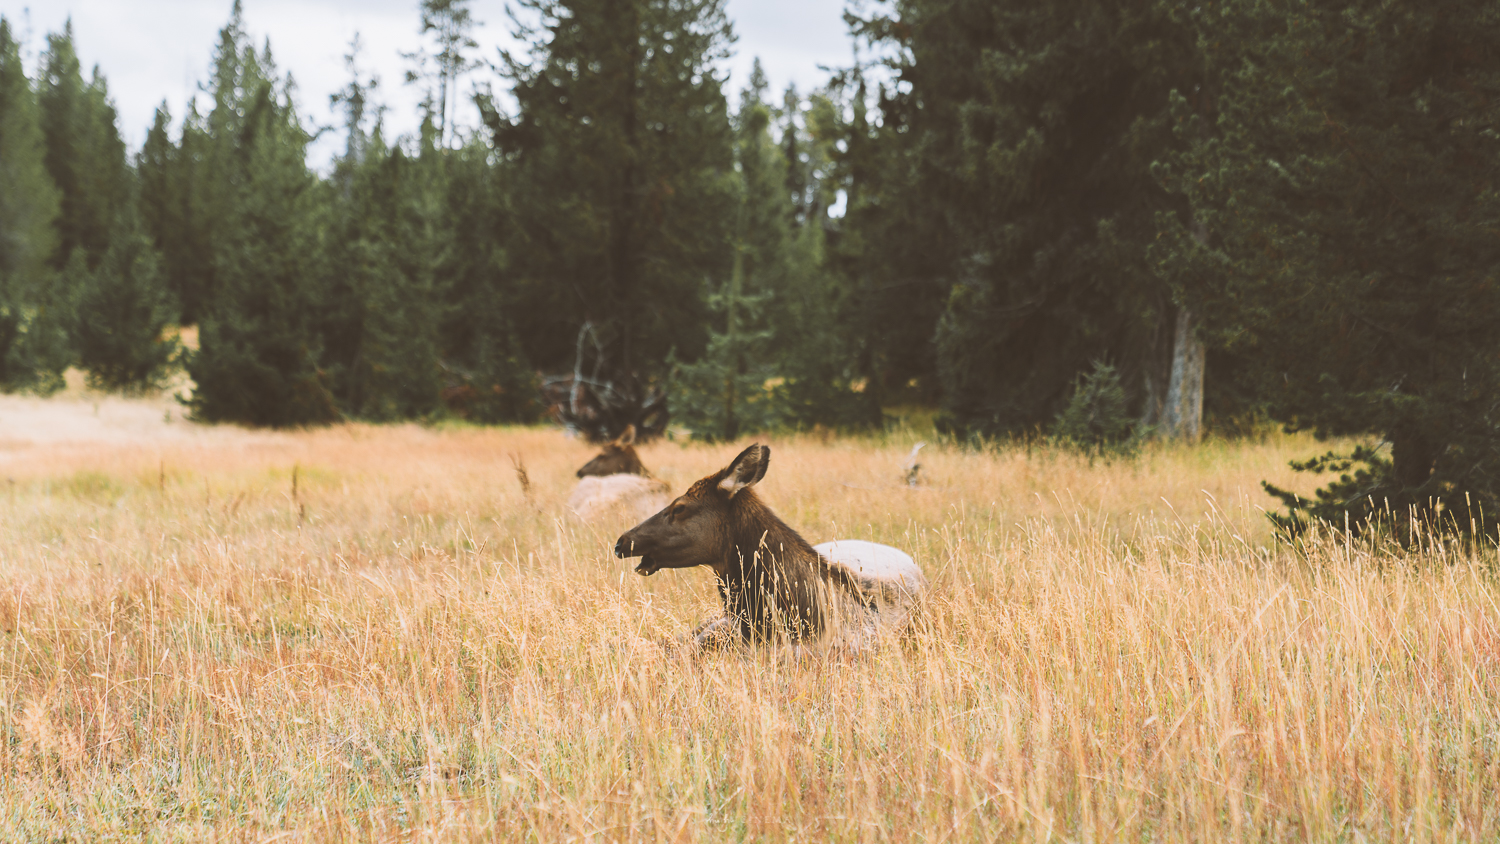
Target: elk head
{"x":617,"y":458}
{"x":699,"y":528}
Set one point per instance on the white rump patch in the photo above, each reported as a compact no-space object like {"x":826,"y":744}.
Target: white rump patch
{"x":889,"y":578}
{"x":631,"y":496}
{"x":875,"y":562}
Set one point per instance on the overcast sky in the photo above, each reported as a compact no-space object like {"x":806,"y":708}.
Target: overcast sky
{"x":155,"y":50}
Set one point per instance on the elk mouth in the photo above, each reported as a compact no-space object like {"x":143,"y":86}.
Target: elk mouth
{"x":647,"y":567}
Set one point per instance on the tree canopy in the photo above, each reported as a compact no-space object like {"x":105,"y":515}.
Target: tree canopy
{"x":1346,"y":165}
{"x":1098,"y":222}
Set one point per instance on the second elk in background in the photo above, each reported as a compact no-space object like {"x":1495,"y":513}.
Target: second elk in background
{"x":616,"y":481}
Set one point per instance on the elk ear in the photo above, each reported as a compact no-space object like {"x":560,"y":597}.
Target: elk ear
{"x":626,"y":437}
{"x":747,"y":469}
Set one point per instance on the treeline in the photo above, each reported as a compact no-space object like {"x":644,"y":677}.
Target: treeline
{"x":1104,"y":220}
{"x":1306,"y":193}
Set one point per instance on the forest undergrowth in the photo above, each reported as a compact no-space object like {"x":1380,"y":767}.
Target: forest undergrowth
{"x":384,"y":633}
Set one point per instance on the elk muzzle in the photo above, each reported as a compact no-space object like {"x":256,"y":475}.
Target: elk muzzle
{"x":626,"y":547}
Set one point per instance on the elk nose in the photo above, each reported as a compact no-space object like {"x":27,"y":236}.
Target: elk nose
{"x":622,"y":548}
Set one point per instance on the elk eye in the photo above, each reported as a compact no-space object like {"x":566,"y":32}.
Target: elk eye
{"x":677,"y":511}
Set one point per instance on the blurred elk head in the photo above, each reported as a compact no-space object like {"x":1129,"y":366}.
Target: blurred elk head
{"x":617,"y":458}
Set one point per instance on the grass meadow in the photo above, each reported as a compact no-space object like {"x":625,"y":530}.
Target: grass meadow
{"x":381,"y":633}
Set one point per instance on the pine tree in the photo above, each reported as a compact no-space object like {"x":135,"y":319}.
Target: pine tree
{"x":724,"y":392}
{"x":189,"y":188}
{"x":112,"y":292}
{"x":620,"y":152}
{"x":450,"y":23}
{"x":1013,"y":194}
{"x":181,"y":207}
{"x":1346,"y":165}
{"x":33,"y":340}
{"x":820,"y":336}
{"x":85,"y":154}
{"x":487,"y":375}
{"x":122,"y":312}
{"x":260,"y":350}
{"x":386,"y":239}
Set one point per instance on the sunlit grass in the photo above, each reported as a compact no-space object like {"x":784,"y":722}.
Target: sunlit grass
{"x":404,"y":644}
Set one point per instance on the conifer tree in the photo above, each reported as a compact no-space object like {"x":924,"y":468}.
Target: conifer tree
{"x":85,"y":154}
{"x":385,"y":235}
{"x":724,"y":392}
{"x":189,"y":188}
{"x":112,"y":292}
{"x":33,"y":339}
{"x":1010,"y":200}
{"x":784,"y":318}
{"x":450,"y":23}
{"x":486,"y":373}
{"x":122,"y":312}
{"x":260,"y":350}
{"x":819,"y":331}
{"x":179,"y":207}
{"x":620,"y":151}
{"x":1346,"y":160}
{"x":383,"y":347}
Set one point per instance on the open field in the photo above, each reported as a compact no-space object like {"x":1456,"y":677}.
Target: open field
{"x":378,"y":633}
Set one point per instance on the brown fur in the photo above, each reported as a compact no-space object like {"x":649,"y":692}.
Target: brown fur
{"x":771,"y":581}
{"x":617,"y":458}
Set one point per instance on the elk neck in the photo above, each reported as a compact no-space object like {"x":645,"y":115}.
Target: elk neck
{"x":772,"y":580}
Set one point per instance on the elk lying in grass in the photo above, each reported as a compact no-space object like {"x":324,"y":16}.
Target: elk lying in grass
{"x":774,"y":585}
{"x":617,"y":481}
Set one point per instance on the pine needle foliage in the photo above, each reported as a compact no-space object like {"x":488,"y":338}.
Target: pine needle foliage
{"x":620,"y":148}
{"x":33,"y":332}
{"x":122,"y":318}
{"x":1097,"y":418}
{"x":259,"y":356}
{"x":1345,"y":158}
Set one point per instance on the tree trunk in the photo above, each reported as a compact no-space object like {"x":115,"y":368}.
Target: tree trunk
{"x":1182,"y":417}
{"x":733,"y":367}
{"x":623,"y":249}
{"x":1156,"y":372}
{"x":1413,"y":456}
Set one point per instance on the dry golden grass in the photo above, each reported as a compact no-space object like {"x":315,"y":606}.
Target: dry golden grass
{"x":375,"y":633}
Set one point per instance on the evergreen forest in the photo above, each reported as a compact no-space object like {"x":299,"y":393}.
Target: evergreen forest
{"x":1099,"y":222}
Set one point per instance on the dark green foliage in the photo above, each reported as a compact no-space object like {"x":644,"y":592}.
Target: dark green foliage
{"x":1349,"y":502}
{"x":889,"y":246}
{"x":725,"y":391}
{"x":122,"y":314}
{"x":384,"y":352}
{"x":487,"y":377}
{"x":417,"y":313}
{"x":189,"y":190}
{"x":786,"y":353}
{"x":1347,"y":166}
{"x":259,"y":355}
{"x":33,"y":339}
{"x":1097,"y":417}
{"x":1038,"y":187}
{"x":176,"y":211}
{"x":820,"y":336}
{"x":111,"y":291}
{"x":85,"y":155}
{"x":620,"y":153}
{"x":1019,"y":198}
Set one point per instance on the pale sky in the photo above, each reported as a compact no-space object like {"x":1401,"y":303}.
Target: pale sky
{"x":155,"y":50}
